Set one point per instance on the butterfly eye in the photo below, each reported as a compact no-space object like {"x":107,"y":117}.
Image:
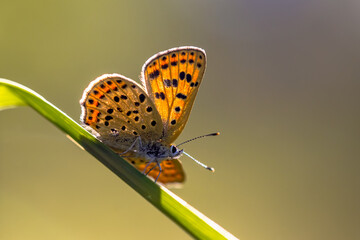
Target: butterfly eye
{"x":173,"y":149}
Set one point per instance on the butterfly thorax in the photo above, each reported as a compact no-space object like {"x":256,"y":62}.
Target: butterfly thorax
{"x":155,"y":151}
{"x":152,"y":151}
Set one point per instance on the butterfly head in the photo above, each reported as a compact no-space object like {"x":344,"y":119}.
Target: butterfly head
{"x":175,"y":152}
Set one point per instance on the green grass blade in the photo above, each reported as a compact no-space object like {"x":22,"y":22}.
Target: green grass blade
{"x":192,"y":221}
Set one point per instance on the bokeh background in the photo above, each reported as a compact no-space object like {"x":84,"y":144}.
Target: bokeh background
{"x":282,"y":86}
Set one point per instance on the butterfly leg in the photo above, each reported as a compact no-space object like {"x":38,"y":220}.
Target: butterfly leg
{"x":150,"y":168}
{"x":132,"y":146}
{"x":160,"y":170}
{"x":157,"y":165}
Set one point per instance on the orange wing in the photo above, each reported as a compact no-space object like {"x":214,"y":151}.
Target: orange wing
{"x":117,"y":110}
{"x":172,"y":79}
{"x":172,"y":171}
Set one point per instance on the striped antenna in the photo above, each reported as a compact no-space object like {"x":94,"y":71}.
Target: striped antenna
{"x":200,"y":163}
{"x":206,"y":135}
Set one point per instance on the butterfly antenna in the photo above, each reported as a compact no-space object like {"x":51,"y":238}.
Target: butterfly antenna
{"x":200,"y":163}
{"x":207,"y":135}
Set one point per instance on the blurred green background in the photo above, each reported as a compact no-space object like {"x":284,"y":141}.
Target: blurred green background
{"x":282,"y":86}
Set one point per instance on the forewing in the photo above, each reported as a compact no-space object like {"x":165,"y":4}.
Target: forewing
{"x":117,"y":110}
{"x":172,"y":79}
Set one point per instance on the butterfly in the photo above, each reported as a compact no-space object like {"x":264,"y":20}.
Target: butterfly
{"x":141,"y":123}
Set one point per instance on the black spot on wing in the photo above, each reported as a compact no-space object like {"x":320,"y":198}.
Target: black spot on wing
{"x":182,"y":75}
{"x":167,"y":83}
{"x":162,"y":95}
{"x":156,"y":73}
{"x":142,"y":98}
{"x":181,"y":96}
{"x":188,"y":77}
